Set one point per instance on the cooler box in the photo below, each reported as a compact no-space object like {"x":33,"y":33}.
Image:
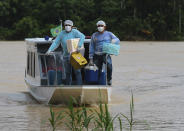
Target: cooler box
{"x":72,"y":44}
{"x":91,"y":74}
{"x":112,"y":49}
{"x":77,"y":60}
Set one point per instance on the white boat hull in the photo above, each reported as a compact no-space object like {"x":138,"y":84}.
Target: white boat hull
{"x":85,"y":94}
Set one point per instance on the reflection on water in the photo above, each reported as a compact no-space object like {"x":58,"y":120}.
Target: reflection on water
{"x":153,"y":71}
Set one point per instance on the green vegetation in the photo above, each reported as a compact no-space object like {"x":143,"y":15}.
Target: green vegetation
{"x":83,"y":118}
{"x":130,"y":120}
{"x":55,"y":118}
{"x":128,"y":19}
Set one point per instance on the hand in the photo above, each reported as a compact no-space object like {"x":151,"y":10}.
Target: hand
{"x":91,"y":62}
{"x":53,"y":38}
{"x":48,"y":52}
{"x":78,"y":50}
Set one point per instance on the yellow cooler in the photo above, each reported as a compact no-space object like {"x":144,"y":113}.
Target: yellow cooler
{"x":77,"y":60}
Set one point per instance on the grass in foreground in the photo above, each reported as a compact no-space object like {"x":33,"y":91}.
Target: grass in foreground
{"x":84,"y":119}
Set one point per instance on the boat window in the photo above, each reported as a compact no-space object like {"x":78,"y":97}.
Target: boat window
{"x":30,"y":59}
{"x":27,"y":62}
{"x":31,"y":64}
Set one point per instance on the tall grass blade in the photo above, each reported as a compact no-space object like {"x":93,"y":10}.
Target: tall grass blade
{"x":120,"y":124}
{"x":132,"y":100}
{"x":55,"y":118}
{"x":52,"y":119}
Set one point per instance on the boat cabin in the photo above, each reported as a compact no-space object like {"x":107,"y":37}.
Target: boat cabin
{"x":46,"y":70}
{"x":45,"y":76}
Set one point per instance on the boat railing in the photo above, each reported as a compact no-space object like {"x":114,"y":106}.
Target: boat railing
{"x":53,"y":70}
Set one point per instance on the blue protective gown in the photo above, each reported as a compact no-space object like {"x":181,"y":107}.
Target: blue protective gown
{"x":97,"y":41}
{"x":62,"y":39}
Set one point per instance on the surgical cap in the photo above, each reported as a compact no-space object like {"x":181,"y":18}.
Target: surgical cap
{"x":68,"y":22}
{"x":101,"y":22}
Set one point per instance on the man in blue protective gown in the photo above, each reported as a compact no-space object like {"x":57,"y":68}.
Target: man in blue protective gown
{"x":62,"y":38}
{"x":96,"y":54}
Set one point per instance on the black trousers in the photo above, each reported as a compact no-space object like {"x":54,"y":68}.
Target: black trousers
{"x":106,"y":59}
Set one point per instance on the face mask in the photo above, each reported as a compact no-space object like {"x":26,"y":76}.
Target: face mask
{"x":100,"y":29}
{"x":68,"y":28}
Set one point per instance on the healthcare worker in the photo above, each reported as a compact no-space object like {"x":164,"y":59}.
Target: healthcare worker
{"x":62,"y":38}
{"x":96,"y":54}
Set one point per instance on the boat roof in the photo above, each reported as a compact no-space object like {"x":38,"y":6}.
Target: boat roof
{"x":43,"y":41}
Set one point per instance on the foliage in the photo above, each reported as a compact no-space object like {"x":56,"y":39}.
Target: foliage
{"x":130,"y":120}
{"x":103,"y":120}
{"x":55,"y":119}
{"x":83,"y":118}
{"x":128,"y":19}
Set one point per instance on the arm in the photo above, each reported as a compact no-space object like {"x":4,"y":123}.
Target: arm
{"x":91,"y":48}
{"x":115,"y":39}
{"x":56,"y":43}
{"x":80,"y":35}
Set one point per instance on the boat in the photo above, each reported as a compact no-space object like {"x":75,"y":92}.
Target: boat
{"x":44,"y":80}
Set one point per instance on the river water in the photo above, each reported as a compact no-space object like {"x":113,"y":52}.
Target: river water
{"x":153,"y":71}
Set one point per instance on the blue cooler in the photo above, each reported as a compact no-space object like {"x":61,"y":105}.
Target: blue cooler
{"x":91,"y":74}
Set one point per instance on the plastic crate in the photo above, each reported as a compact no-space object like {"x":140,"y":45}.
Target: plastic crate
{"x":77,"y":60}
